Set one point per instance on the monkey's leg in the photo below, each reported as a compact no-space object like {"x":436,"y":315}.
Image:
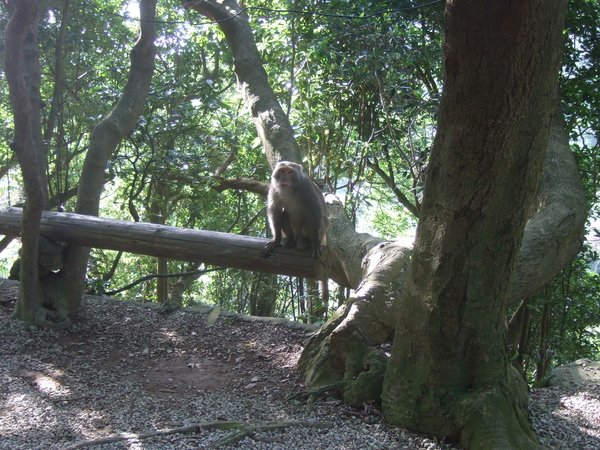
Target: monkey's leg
{"x":288,"y":242}
{"x":310,"y":242}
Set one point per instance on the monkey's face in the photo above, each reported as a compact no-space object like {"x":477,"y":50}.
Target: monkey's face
{"x":286,"y":176}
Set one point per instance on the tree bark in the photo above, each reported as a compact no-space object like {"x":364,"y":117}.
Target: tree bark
{"x":63,"y":290}
{"x":22,"y":23}
{"x":33,"y":80}
{"x":555,"y":232}
{"x":210,"y":247}
{"x":346,"y":347}
{"x":450,"y":374}
{"x":272,"y":124}
{"x":346,"y":247}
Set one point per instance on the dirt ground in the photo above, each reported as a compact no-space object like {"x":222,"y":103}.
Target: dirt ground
{"x":171,"y":358}
{"x":147,"y":380}
{"x":125,"y":370}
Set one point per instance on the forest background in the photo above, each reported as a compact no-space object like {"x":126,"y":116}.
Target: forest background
{"x":362,"y":91}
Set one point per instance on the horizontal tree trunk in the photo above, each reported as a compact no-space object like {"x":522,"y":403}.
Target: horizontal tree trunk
{"x":210,"y":247}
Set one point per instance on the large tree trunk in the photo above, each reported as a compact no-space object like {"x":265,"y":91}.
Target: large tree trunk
{"x":450,"y":373}
{"x":346,"y":350}
{"x":553,"y":237}
{"x":63,"y":290}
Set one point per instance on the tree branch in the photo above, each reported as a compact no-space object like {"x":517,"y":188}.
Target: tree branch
{"x":403,"y":199}
{"x":244,"y":184}
{"x":272,"y":124}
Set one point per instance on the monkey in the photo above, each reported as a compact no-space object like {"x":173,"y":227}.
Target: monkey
{"x":296,"y":210}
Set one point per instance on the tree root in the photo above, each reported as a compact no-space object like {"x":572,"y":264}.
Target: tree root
{"x":311,"y":395}
{"x":250,"y":429}
{"x":246,"y":430}
{"x":47,"y":318}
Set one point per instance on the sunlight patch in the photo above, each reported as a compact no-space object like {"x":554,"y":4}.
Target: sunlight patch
{"x":46,"y":382}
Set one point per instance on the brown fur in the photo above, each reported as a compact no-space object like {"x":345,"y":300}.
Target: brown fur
{"x":296,"y":210}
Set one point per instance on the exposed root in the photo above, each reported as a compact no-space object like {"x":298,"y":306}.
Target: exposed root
{"x":311,"y":395}
{"x":249,"y":429}
{"x":49,"y":319}
{"x":246,"y":430}
{"x":195,"y":428}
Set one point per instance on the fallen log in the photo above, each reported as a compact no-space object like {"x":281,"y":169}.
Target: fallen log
{"x":209,"y":247}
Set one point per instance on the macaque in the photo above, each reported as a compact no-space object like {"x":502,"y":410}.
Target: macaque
{"x":296,"y":210}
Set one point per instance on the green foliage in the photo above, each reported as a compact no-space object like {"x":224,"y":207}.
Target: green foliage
{"x":359,"y":91}
{"x":390,"y":223}
{"x":333,"y":88}
{"x":361,"y":81}
{"x":565,"y":323}
{"x":581,"y":96}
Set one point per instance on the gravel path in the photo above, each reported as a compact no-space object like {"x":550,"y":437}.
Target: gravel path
{"x":125,"y":368}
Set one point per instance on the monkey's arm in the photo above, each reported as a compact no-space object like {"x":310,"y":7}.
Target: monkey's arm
{"x":275,"y":215}
{"x":272,"y":245}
